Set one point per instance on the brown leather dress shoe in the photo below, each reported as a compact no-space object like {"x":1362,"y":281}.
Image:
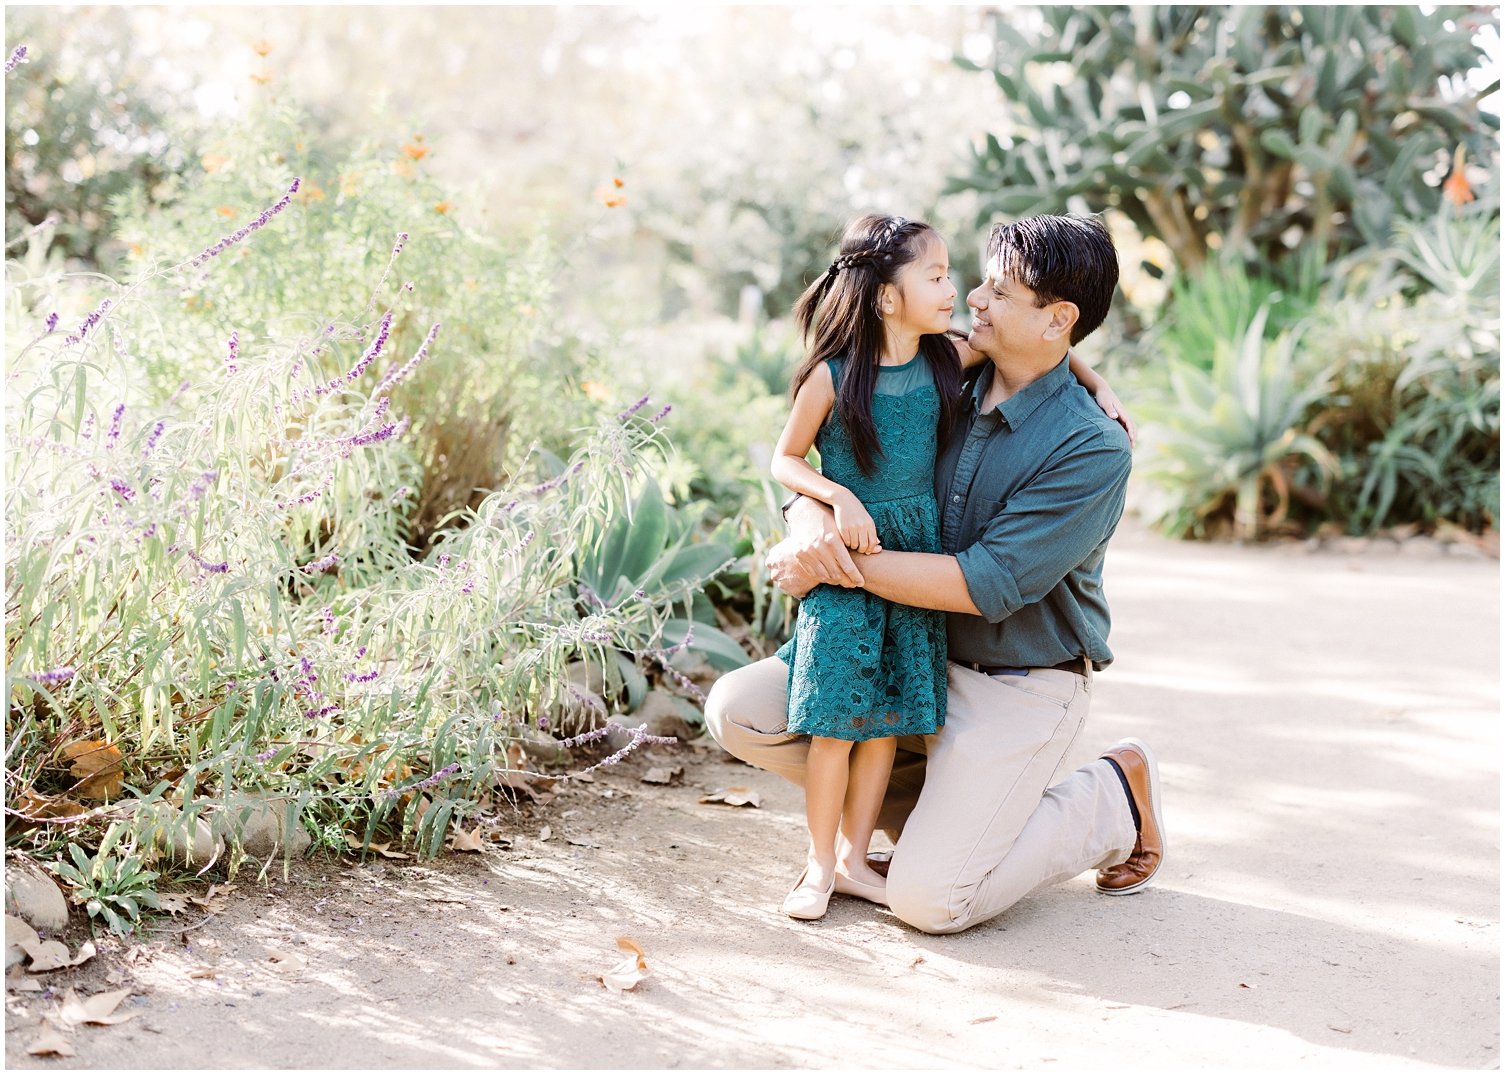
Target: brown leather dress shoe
{"x":1143,"y":775}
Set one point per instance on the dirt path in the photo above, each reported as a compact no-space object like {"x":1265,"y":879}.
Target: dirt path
{"x":1328,"y":734}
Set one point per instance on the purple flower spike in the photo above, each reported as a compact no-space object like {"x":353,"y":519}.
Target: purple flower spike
{"x":201,"y":484}
{"x":234,"y":352}
{"x":214,"y":569}
{"x":386,"y":432}
{"x":372,"y":351}
{"x":16,"y":57}
{"x":661,"y":414}
{"x":399,"y":375}
{"x":122,"y":490}
{"x":426,"y":782}
{"x":51,"y":322}
{"x":260,"y":221}
{"x":630,"y":411}
{"x":89,"y":322}
{"x":151,"y":441}
{"x":114,"y":434}
{"x":54,"y":676}
{"x":544,"y":487}
{"x":318,"y":567}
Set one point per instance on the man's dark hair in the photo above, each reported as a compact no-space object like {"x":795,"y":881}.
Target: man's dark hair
{"x":1060,"y":258}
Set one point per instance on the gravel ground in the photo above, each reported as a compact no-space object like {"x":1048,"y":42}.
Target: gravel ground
{"x":1327,"y":722}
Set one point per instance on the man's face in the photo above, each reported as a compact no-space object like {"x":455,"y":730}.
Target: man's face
{"x":1005,"y":320}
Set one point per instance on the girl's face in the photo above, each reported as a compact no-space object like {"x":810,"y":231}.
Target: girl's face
{"x":922,"y":297}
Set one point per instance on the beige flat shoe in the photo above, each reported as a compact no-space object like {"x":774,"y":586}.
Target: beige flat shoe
{"x":806,"y":902}
{"x":847,"y":886}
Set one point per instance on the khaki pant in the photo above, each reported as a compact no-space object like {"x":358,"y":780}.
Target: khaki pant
{"x":982,"y":824}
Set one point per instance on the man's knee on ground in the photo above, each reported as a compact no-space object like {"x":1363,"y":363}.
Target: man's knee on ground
{"x":921,"y":902}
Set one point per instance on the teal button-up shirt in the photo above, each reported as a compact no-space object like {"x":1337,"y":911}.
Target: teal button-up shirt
{"x":1030,"y":492}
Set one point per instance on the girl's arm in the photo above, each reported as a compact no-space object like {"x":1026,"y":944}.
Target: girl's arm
{"x":1097,"y":386}
{"x":812,"y":405}
{"x":1086,"y":376}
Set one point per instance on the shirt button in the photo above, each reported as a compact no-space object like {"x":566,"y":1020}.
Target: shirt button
{"x":956,"y":498}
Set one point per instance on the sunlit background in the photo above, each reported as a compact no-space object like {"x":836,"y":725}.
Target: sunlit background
{"x":284,"y":537}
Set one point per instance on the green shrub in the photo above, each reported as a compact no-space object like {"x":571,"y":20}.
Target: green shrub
{"x":113,"y":883}
{"x":1258,"y":131}
{"x":1377,"y":404}
{"x":1226,"y":443}
{"x":1414,"y":415}
{"x":364,"y":234}
{"x":217,"y":584}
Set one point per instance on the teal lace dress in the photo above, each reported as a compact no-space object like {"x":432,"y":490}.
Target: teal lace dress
{"x":861,"y":667}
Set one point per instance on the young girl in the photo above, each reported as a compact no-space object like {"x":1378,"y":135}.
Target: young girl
{"x":880,"y":378}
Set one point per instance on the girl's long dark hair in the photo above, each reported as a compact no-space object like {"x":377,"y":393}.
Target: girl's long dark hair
{"x":838,"y":315}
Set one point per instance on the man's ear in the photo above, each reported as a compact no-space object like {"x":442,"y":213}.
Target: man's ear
{"x":1063,"y":318}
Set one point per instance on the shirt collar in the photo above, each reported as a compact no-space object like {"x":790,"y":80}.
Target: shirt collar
{"x":1015,"y":410}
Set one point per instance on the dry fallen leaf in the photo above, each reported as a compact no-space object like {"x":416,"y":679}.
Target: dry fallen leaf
{"x":630,"y":971}
{"x":50,"y":1043}
{"x":545,"y":832}
{"x":982,"y":1019}
{"x":22,"y":984}
{"x":46,"y":955}
{"x":18,"y":933}
{"x":214,"y":900}
{"x":732,"y":797}
{"x":467,"y":841}
{"x":172,"y":903}
{"x":662,"y":774}
{"x":99,"y":766}
{"x":98,"y":1009}
{"x":381,"y":849}
{"x":204,"y":972}
{"x":33,"y":805}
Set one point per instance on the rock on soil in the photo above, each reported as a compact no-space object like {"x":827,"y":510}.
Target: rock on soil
{"x":34,"y":897}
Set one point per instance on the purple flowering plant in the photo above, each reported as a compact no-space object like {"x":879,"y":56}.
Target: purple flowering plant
{"x":187,"y":529}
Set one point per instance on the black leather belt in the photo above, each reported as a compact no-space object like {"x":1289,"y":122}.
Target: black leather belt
{"x":1077,"y":665}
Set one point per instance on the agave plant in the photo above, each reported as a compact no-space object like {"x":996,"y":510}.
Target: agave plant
{"x":647,"y":552}
{"x":1233,"y":435}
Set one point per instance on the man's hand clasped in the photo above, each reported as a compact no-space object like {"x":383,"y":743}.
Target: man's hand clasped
{"x":799,"y":564}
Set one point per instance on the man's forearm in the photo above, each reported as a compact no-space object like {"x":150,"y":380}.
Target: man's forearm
{"x":921,"y":579}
